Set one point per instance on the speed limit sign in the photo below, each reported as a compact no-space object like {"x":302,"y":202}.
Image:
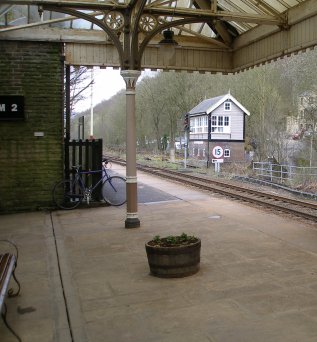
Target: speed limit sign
{"x":217,"y":152}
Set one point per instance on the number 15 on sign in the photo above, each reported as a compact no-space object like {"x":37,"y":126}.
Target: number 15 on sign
{"x":217,"y":152}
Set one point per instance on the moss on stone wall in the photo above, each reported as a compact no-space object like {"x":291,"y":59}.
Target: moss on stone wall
{"x":30,"y":165}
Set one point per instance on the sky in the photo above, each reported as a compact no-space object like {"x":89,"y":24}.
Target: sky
{"x":107,"y":82}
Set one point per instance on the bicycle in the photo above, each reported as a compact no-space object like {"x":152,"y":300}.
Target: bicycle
{"x":68,"y":194}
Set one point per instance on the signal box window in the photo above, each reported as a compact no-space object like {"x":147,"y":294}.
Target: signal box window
{"x":227,"y":106}
{"x":199,"y":124}
{"x":226,"y":152}
{"x":220,"y":124}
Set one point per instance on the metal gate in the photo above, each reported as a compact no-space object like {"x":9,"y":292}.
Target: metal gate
{"x":87,"y":154}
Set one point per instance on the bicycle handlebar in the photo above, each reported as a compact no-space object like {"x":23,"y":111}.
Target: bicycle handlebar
{"x":78,"y":167}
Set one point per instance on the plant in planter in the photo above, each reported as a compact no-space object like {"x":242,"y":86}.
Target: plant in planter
{"x":173,"y":256}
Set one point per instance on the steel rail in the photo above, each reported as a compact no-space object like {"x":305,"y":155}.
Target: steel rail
{"x":306,"y":204}
{"x":300,"y":208}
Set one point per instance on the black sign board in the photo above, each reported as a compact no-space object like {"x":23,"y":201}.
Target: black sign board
{"x":11,"y":108}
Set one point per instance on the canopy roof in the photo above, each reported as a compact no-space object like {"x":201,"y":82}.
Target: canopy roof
{"x":216,"y":24}
{"x":217,"y":21}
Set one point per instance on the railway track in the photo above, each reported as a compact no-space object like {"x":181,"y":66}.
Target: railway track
{"x":300,"y":208}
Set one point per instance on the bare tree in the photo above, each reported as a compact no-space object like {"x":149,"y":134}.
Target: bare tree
{"x":151,"y":108}
{"x":269,"y":92}
{"x":80,"y":81}
{"x":310,"y":113}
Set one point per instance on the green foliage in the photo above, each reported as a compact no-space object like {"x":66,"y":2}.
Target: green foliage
{"x":269,"y":92}
{"x":157,"y":239}
{"x":301,"y":162}
{"x":173,"y":240}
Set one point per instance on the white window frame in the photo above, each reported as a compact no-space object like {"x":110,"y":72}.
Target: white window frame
{"x":220,"y":124}
{"x":199,"y":124}
{"x":227,"y":106}
{"x":226,"y":153}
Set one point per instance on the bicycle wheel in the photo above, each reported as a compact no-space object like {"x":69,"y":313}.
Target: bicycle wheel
{"x":67,"y":195}
{"x":114,"y":191}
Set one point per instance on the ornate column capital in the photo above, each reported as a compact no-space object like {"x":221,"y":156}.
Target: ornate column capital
{"x":130,"y":77}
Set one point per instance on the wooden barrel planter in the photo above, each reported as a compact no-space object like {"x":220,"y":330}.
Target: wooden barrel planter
{"x":174,"y":261}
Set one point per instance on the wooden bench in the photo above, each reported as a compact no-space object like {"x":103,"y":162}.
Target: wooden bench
{"x":8,"y":264}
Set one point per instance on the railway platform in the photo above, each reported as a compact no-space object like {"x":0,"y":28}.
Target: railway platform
{"x":84,"y":277}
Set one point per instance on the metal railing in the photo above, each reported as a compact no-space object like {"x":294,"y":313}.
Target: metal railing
{"x":284,"y":173}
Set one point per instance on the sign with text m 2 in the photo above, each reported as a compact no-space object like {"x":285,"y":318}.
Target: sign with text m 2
{"x":11,"y":108}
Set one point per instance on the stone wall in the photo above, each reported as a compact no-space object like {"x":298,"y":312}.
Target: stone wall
{"x":30,"y":165}
{"x":199,"y":150}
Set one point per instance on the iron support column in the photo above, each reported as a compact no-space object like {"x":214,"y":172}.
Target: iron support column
{"x":130,"y":77}
{"x":67,"y":122}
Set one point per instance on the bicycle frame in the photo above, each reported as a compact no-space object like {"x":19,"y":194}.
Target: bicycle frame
{"x":79,"y":179}
{"x":69,"y":193}
{"x":87,"y":191}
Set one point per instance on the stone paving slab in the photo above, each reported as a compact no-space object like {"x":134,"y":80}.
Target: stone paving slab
{"x":38,"y":314}
{"x":257,"y":281}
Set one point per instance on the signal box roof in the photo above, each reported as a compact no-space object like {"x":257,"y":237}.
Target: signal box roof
{"x":209,"y":105}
